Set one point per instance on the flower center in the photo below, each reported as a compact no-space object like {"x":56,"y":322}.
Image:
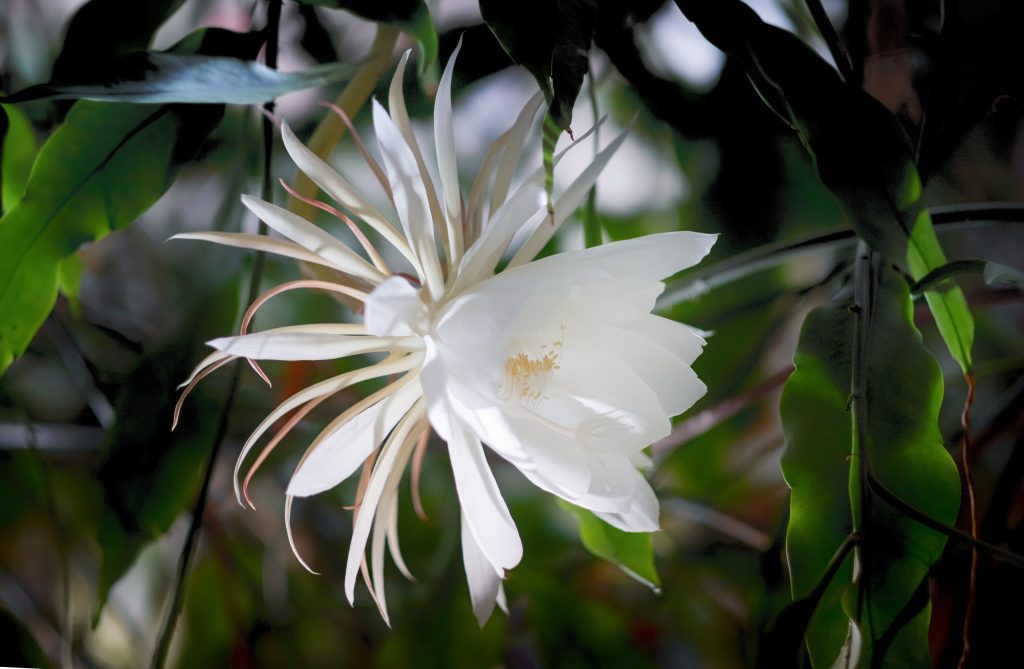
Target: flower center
{"x":528,"y":369}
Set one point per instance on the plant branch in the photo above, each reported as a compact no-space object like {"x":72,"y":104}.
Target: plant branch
{"x":188,"y":550}
{"x":742,"y":265}
{"x":965,"y":456}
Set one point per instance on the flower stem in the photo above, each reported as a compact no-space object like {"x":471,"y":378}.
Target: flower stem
{"x":188,"y":550}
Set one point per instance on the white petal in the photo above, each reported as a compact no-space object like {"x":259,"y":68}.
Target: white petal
{"x":281,"y":247}
{"x":393,"y":457}
{"x":481,"y":501}
{"x":324,"y":341}
{"x":332,"y":183}
{"x":683,"y":340}
{"x":567,"y":203}
{"x":435,"y":390}
{"x":514,"y":151}
{"x":339,"y":454}
{"x":410,"y":195}
{"x":393,"y":365}
{"x":444,"y":139}
{"x":642,"y":515}
{"x":304,"y":233}
{"x":395,"y":309}
{"x":481,"y":575}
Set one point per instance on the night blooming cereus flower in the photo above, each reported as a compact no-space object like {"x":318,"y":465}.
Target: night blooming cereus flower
{"x":558,"y":365}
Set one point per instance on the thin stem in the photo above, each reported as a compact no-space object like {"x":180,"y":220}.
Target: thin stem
{"x":835,"y":45}
{"x":864,"y":284}
{"x":188,"y":550}
{"x":1009,"y":557}
{"x":965,"y":457}
{"x":767,"y":256}
{"x":591,"y":224}
{"x":331,"y":128}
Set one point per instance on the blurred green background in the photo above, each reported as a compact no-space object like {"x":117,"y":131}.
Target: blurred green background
{"x":95,"y":491}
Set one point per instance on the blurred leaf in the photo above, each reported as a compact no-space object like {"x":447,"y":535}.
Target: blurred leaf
{"x":631,"y":551}
{"x":857,"y":145}
{"x":906,"y":454}
{"x":412,"y":16}
{"x":155,"y":77}
{"x":102,"y":168}
{"x":17,"y":150}
{"x":19,"y":648}
{"x":946,"y":301}
{"x":149,"y":474}
{"x":996,"y":274}
{"x":69,"y":279}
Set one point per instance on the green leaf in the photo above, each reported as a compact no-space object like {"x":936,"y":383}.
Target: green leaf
{"x":104,"y":30}
{"x":906,"y":454}
{"x":102,"y":168}
{"x":412,"y":16}
{"x":551,"y":39}
{"x":857,"y":145}
{"x":17,"y":151}
{"x":631,"y":551}
{"x":154,"y":77}
{"x":148,"y":473}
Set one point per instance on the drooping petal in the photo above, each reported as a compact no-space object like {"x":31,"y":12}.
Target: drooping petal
{"x":304,"y":233}
{"x":340,"y":453}
{"x":481,"y":575}
{"x":394,"y":364}
{"x":410,"y":193}
{"x":394,"y":455}
{"x":395,"y":309}
{"x":642,"y":514}
{"x":322,"y":341}
{"x":486,"y":514}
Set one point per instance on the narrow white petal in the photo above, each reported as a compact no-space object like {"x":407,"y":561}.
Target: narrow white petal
{"x":444,"y":139}
{"x":642,"y":515}
{"x":395,"y":364}
{"x":513,"y":152}
{"x":481,"y":575}
{"x":324,"y":341}
{"x":395,"y":309}
{"x":481,"y":501}
{"x":304,"y":233}
{"x":205,"y":363}
{"x":332,"y":183}
{"x":435,"y":390}
{"x":340,"y":453}
{"x":410,"y":193}
{"x":281,"y":247}
{"x":567,"y":203}
{"x":393,"y":457}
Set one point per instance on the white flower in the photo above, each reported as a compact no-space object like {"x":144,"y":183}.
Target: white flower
{"x":556,"y":364}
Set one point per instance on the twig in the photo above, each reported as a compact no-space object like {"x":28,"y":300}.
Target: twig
{"x":965,"y":457}
{"x":188,"y":550}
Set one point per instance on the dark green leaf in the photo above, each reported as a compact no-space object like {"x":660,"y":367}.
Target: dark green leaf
{"x":153,"y":77}
{"x":631,"y":551}
{"x":149,"y":474}
{"x":551,"y":39}
{"x":17,"y":151}
{"x":857,"y":145}
{"x":905,"y":452}
{"x":104,"y":30}
{"x":104,"y":166}
{"x":412,"y":16}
